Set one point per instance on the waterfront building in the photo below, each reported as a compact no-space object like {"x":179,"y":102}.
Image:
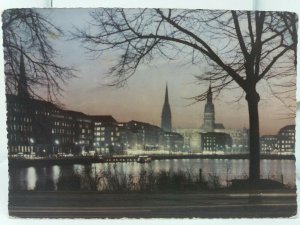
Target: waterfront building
{"x":282,"y":143}
{"x":28,"y":125}
{"x":240,"y":139}
{"x":106,"y":135}
{"x":286,"y":140}
{"x":196,"y":142}
{"x":173,"y":141}
{"x":214,"y":142}
{"x":166,"y":117}
{"x":190,"y":139}
{"x":63,"y":134}
{"x":143,"y":136}
{"x":81,"y":128}
{"x":268,"y":144}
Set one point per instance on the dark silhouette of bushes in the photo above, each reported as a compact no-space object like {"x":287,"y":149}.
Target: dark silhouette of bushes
{"x":111,"y":180}
{"x":48,"y":185}
{"x":69,"y":183}
{"x":114,"y":181}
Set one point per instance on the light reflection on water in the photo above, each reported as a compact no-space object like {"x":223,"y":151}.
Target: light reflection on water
{"x":31,"y":178}
{"x":26,"y":178}
{"x":55,"y":174}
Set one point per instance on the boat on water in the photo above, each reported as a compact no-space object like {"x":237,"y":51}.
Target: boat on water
{"x":143,"y":159}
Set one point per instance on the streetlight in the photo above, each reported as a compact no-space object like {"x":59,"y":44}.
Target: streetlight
{"x":96,"y":145}
{"x":56,"y":142}
{"x":76,"y":150}
{"x":31,"y":140}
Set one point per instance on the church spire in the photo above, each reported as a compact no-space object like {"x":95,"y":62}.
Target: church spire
{"x":166,"y":123}
{"x":209,"y":94}
{"x":167,"y":94}
{"x":209,"y":113}
{"x":22,"y":81}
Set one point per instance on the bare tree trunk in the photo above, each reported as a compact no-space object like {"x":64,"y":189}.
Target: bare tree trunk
{"x":253,"y":98}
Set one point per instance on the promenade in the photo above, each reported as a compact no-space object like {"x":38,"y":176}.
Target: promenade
{"x":218,"y":204}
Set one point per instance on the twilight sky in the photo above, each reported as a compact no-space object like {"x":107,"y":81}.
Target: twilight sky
{"x":142,"y":98}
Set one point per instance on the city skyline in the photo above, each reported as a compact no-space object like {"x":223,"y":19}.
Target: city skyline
{"x":142,"y":98}
{"x":157,"y":121}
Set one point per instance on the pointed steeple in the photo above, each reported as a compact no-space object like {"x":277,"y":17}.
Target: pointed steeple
{"x":166,"y":123}
{"x":22,"y":81}
{"x":209,"y":94}
{"x":209,"y":113}
{"x":167,"y":95}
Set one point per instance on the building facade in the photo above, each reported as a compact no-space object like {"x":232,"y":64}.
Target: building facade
{"x":268,"y":144}
{"x":286,"y":140}
{"x":143,"y":136}
{"x":282,"y":143}
{"x":215,"y":142}
{"x":240,"y":139}
{"x":173,"y":141}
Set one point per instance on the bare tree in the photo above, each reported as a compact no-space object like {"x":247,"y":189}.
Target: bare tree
{"x":27,"y":32}
{"x":285,"y":24}
{"x":241,"y":49}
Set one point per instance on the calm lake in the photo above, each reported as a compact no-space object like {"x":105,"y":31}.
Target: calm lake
{"x":280,"y":170}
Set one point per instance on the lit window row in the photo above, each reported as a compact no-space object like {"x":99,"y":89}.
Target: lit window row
{"x":21,"y":127}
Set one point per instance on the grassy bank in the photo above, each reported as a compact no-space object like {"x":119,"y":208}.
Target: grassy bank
{"x":112,"y":180}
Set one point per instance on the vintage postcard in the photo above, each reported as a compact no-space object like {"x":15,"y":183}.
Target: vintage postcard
{"x":150,"y":113}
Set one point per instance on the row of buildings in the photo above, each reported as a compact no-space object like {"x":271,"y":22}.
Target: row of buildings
{"x":37,"y":127}
{"x":41,"y":128}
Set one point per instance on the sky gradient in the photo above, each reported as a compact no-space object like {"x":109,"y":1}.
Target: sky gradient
{"x":142,"y":98}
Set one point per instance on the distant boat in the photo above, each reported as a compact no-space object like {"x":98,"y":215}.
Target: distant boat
{"x":100,"y":158}
{"x":143,"y":159}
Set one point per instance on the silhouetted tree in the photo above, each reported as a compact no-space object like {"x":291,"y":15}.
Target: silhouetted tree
{"x":241,"y":48}
{"x":27,"y":31}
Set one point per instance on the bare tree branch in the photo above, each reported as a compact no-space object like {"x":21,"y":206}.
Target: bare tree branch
{"x":32,"y":31}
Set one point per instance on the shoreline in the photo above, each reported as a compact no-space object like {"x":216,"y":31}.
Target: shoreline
{"x":22,"y":162}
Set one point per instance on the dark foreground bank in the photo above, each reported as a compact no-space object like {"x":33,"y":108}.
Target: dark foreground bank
{"x":221,"y":204}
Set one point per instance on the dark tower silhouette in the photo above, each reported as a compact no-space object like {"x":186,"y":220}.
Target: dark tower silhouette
{"x":22,"y":82}
{"x":166,"y":122}
{"x":209,"y":113}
